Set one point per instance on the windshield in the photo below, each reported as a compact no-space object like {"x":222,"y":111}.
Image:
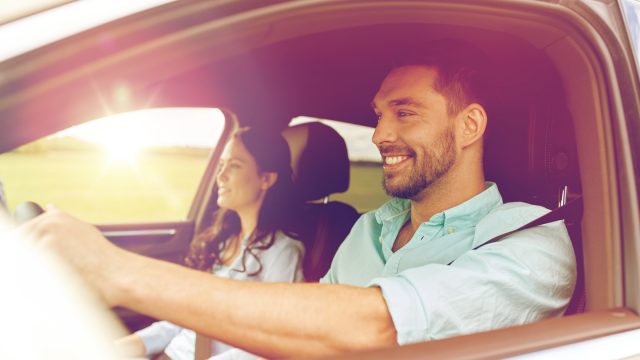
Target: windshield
{"x":65,"y":20}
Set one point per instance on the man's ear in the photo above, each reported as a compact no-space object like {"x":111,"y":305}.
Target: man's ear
{"x":473,"y":123}
{"x":268,"y":179}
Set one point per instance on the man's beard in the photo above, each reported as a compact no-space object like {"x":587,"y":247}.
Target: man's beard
{"x":437,"y":161}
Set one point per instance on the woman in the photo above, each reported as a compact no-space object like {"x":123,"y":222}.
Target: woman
{"x":250,"y":238}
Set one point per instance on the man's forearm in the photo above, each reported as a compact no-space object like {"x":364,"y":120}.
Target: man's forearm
{"x":269,"y":319}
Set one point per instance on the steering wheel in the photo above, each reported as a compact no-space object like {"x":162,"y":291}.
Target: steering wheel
{"x":26,"y":211}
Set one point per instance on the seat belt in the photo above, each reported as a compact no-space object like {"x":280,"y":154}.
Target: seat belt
{"x":202,"y":351}
{"x":570,"y":210}
{"x":203,"y":347}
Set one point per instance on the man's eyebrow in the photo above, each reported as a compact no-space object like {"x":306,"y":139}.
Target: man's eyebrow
{"x":405,"y":101}
{"x":400,"y":102}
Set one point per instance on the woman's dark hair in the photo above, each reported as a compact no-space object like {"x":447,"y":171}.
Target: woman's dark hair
{"x":271,"y":153}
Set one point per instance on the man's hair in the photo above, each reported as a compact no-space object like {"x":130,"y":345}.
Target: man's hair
{"x":461,"y":71}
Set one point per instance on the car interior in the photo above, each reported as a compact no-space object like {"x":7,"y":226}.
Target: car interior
{"x":530,"y":149}
{"x":552,"y":127}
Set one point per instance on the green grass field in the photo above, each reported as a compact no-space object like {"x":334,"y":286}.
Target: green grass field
{"x":365,"y":188}
{"x":158,"y":187}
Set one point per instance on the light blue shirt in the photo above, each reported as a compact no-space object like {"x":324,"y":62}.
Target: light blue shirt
{"x":282,"y":262}
{"x":527,"y":276}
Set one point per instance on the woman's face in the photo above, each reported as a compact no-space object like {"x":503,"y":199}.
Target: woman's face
{"x":241,"y":186}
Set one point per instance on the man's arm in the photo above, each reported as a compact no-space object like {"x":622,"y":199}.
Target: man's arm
{"x":269,"y":319}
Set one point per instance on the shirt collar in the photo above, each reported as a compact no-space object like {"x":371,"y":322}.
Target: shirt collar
{"x":461,"y":216}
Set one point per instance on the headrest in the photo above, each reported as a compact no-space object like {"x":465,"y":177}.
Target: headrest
{"x":530,"y":152}
{"x":319,"y":160}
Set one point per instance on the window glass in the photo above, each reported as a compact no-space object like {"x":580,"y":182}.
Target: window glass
{"x":631,"y":10}
{"x":142,"y":166}
{"x":365,"y":185}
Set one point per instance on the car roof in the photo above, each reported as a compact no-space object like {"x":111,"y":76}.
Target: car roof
{"x":266,"y":62}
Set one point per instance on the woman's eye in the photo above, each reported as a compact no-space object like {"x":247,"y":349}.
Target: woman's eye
{"x":404,"y":114}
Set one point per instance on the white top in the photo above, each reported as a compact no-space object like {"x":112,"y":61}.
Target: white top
{"x":282,"y":262}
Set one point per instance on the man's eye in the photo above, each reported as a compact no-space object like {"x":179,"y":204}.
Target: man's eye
{"x":404,"y":113}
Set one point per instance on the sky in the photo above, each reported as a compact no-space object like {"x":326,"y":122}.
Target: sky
{"x":194,"y":127}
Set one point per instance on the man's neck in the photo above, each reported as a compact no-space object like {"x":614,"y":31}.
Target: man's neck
{"x":433,"y":200}
{"x":443,"y":195}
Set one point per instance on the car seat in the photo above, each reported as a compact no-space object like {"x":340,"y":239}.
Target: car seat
{"x":320,"y":168}
{"x":530,"y":152}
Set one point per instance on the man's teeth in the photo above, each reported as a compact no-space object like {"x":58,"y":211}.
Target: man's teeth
{"x":391,"y":160}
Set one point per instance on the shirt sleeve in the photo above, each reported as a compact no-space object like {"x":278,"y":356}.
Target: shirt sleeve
{"x":157,"y":336}
{"x":284,"y":264}
{"x":523,"y":278}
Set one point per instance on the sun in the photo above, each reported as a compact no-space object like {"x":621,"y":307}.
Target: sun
{"x":122,"y":152}
{"x":121,"y":148}
{"x":120,"y":137}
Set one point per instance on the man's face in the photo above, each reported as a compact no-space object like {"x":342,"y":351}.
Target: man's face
{"x":415,"y":135}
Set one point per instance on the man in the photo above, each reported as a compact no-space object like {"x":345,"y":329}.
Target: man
{"x":405,"y":273}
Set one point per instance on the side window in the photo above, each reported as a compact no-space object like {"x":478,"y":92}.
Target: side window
{"x":141,"y":166}
{"x":365,"y":185}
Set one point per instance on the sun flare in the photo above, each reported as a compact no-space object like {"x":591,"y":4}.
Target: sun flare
{"x":124,"y":138}
{"x":119,"y":146}
{"x":121,"y":152}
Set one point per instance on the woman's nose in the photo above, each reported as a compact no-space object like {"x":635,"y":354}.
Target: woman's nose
{"x":222,"y":175}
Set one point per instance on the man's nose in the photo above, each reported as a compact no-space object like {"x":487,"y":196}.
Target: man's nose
{"x":385,"y":132}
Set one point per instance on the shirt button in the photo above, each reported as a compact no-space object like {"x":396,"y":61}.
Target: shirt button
{"x":451,"y":230}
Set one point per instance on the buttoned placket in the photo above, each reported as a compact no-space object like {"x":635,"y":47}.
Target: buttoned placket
{"x":426,"y":232}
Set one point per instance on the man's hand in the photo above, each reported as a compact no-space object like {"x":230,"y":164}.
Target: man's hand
{"x":80,"y":245}
{"x":268,"y":319}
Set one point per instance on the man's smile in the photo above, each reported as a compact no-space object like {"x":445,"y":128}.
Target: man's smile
{"x":394,"y":162}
